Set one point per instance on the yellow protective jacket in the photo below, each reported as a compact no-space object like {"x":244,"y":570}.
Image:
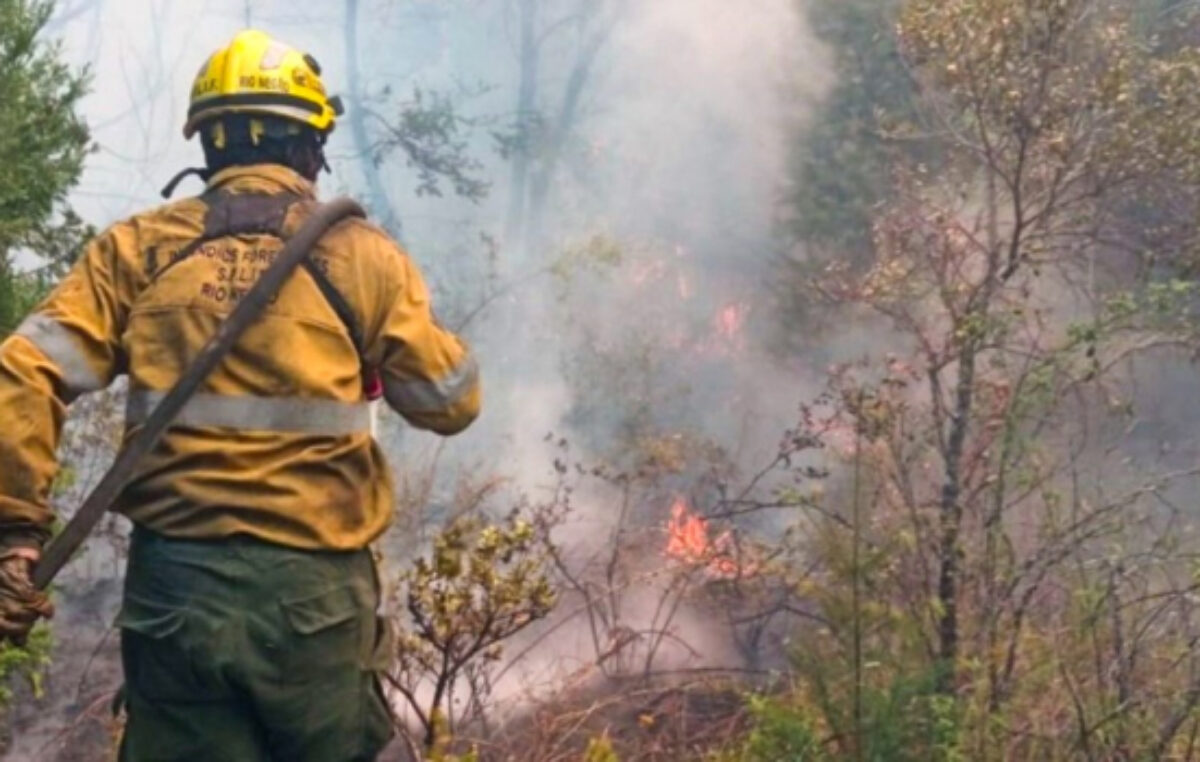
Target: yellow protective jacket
{"x":277,"y":442}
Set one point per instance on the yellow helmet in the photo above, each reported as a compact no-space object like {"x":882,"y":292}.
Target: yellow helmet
{"x":256,"y":74}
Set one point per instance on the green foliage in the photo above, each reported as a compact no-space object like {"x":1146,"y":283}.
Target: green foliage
{"x":840,"y":166}
{"x":28,"y":663}
{"x":904,"y":721}
{"x":1027,"y":69}
{"x":600,"y":750}
{"x":839,"y":169}
{"x":1055,"y":94}
{"x":19,"y":293}
{"x":781,"y":732}
{"x":43,"y":141}
{"x":434,"y":138}
{"x":1015,"y":281}
{"x":482,"y":584}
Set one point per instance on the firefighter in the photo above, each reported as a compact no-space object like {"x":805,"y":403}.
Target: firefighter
{"x":248,"y":622}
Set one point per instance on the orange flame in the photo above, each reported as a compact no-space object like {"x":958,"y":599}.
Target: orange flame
{"x":729,"y":321}
{"x":687,"y":534}
{"x":688,"y":542}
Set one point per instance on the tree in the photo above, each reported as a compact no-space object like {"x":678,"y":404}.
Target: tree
{"x":427,"y":130}
{"x":544,"y":127}
{"x":839,"y":164}
{"x":839,"y":168}
{"x":992,"y":549}
{"x":43,"y":142}
{"x":1053,"y":114}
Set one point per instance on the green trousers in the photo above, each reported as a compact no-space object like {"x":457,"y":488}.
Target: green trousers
{"x":240,"y":651}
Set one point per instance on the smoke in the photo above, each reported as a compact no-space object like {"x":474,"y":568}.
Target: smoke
{"x":674,"y":159}
{"x":681,"y":150}
{"x":698,"y":121}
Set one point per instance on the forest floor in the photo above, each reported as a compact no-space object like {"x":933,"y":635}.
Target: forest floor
{"x":69,"y":718}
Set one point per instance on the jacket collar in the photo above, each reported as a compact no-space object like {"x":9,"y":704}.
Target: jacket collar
{"x":262,"y":178}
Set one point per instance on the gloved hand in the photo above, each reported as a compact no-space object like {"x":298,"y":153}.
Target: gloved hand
{"x":21,"y":604}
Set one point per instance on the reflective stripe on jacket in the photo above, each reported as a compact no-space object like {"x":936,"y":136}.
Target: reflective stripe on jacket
{"x":277,"y":443}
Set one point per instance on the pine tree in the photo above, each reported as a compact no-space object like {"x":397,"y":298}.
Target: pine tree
{"x":43,"y":143}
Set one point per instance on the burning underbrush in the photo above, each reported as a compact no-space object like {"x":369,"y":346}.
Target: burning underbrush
{"x":627,"y":597}
{"x":615,"y":608}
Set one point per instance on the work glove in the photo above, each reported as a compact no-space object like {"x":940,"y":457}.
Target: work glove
{"x":21,"y":604}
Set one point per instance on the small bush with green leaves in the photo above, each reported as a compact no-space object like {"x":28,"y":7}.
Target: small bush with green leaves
{"x":482,"y":584}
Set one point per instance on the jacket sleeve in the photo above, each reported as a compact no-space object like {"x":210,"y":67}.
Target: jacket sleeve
{"x":67,"y":346}
{"x":429,"y":375}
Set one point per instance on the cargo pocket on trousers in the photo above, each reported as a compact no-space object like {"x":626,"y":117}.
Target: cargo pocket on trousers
{"x":158,"y":665}
{"x":325,"y":635}
{"x":380,"y":653}
{"x":378,"y":722}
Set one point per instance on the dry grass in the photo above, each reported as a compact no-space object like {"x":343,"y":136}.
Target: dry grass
{"x":665,"y":720}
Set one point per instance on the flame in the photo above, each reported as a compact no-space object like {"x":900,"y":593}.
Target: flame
{"x":687,"y":534}
{"x":689,"y":542}
{"x":729,"y":321}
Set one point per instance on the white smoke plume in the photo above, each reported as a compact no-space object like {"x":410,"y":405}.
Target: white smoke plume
{"x":676,"y":159}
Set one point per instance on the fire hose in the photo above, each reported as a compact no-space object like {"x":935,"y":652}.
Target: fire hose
{"x":145,"y":438}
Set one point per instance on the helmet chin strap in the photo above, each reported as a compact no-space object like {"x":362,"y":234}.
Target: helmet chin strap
{"x":316,"y":151}
{"x":308,"y":159}
{"x":169,"y":189}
